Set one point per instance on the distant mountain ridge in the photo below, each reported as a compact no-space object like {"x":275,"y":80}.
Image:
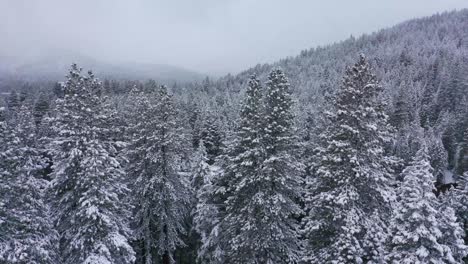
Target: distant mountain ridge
{"x":55,"y":67}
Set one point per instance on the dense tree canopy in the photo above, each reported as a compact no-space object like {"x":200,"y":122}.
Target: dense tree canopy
{"x":326,"y":157}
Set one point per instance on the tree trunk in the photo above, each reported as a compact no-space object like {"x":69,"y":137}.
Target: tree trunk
{"x":166,"y":259}
{"x":148,"y":257}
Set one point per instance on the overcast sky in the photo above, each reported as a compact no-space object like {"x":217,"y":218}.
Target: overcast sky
{"x":208,"y":36}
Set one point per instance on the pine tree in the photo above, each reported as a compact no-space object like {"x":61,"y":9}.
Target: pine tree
{"x":407,"y":142}
{"x":207,"y":222}
{"x":205,"y":213}
{"x":351,"y":175}
{"x":422,"y":233}
{"x":201,"y":168}
{"x":264,"y":184}
{"x":13,"y":102}
{"x":463,"y":154}
{"x":451,"y":226}
{"x":212,"y":208}
{"x":26,"y":233}
{"x":87,"y":176}
{"x":41,"y":108}
{"x":212,"y":138}
{"x":460,"y":203}
{"x":200,"y":171}
{"x":161,"y":193}
{"x":194,"y":122}
{"x":401,"y":115}
{"x":436,"y":151}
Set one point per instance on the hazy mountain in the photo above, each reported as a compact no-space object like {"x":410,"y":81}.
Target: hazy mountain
{"x":54,"y":67}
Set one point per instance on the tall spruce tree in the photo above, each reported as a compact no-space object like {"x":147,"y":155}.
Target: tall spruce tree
{"x":436,"y":151}
{"x":461,"y":203}
{"x":264,"y":184}
{"x":200,"y":171}
{"x":201,"y":168}
{"x":87,"y":173}
{"x":423,"y":231}
{"x":207,"y":225}
{"x":352,"y":175}
{"x":205,"y":213}
{"x":26,"y":233}
{"x":162,"y":194}
{"x":212,"y":138}
{"x":462,"y":163}
{"x":452,"y":228}
{"x":41,"y":107}
{"x":212,"y":209}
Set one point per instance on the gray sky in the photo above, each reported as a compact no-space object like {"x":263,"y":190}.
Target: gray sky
{"x":208,"y":36}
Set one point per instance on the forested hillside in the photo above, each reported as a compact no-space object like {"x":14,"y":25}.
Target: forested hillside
{"x":355,"y":152}
{"x":421,"y":64}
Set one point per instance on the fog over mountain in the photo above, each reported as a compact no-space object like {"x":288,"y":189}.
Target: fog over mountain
{"x":52,"y":66}
{"x":208,"y":36}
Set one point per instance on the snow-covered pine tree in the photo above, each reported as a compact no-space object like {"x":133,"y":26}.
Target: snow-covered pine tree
{"x":264,"y":186}
{"x":200,"y":171}
{"x":201,"y":168}
{"x":205,"y":213}
{"x":207,"y":225}
{"x":452,"y":228}
{"x":13,"y":102}
{"x":41,"y":107}
{"x":162,"y":195}
{"x":194,"y":122}
{"x":245,"y":146}
{"x":463,"y":154}
{"x":26,"y":233}
{"x":420,"y":232}
{"x":436,"y":151}
{"x":87,"y":177}
{"x":352,"y":175}
{"x":401,"y":113}
{"x":212,"y":138}
{"x":460,"y":203}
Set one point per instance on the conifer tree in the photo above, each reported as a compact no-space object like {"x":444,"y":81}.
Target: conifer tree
{"x":41,"y":108}
{"x":87,"y":172}
{"x":452,"y":227}
{"x":436,"y":151}
{"x":423,"y":231}
{"x":245,"y":146}
{"x":26,"y":233}
{"x":264,"y":179}
{"x":212,"y":138}
{"x":207,"y":224}
{"x":13,"y":102}
{"x":401,"y":114}
{"x":460,"y":203}
{"x":201,"y":168}
{"x":205,"y":213}
{"x":194,"y":122}
{"x":200,"y":171}
{"x":352,"y":175}
{"x":463,"y":154}
{"x":162,"y":194}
